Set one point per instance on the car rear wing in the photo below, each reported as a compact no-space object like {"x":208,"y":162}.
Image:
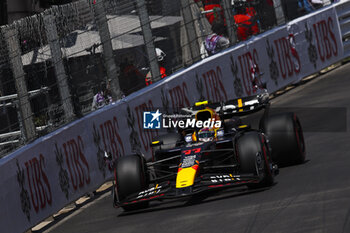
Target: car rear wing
{"x":240,"y":106}
{"x":244,"y":106}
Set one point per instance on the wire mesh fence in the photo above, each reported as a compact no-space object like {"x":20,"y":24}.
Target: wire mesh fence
{"x":72,"y":59}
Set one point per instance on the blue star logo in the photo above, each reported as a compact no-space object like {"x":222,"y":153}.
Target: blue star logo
{"x":151,"y":120}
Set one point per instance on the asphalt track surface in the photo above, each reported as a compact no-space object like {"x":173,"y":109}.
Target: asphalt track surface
{"x":312,"y":197}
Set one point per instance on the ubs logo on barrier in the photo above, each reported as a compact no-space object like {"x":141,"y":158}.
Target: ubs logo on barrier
{"x":179,"y":96}
{"x":311,"y":50}
{"x":214,"y":88}
{"x":237,"y":83}
{"x":134,"y":138}
{"x":74,"y":170}
{"x":288,"y":57}
{"x":77,"y":164}
{"x":24,"y":195}
{"x":274,"y":73}
{"x":325,"y":38}
{"x":199,"y":87}
{"x":249,"y":64}
{"x":63,"y":174}
{"x":107,"y":140}
{"x":34,"y":179}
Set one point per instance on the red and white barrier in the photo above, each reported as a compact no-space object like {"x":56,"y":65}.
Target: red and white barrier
{"x":41,"y":178}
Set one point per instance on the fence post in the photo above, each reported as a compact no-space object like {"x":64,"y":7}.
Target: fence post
{"x":190,"y":30}
{"x":56,"y":54}
{"x":148,"y":39}
{"x":107,"y":49}
{"x":229,"y":21}
{"x":280,"y":18}
{"x":25,"y":112}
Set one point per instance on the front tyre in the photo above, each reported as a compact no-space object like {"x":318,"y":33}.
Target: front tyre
{"x":131,"y":178}
{"x":254,"y":157}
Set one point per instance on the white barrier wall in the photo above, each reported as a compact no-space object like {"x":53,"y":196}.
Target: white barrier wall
{"x":43,"y":177}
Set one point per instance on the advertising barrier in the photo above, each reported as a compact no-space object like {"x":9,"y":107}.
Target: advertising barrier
{"x":43,"y":177}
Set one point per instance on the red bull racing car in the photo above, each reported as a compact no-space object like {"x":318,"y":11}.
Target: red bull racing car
{"x":195,"y":160}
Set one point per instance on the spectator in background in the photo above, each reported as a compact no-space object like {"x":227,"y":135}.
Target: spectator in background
{"x":208,"y":5}
{"x":245,"y":17}
{"x":217,"y":41}
{"x":98,"y":101}
{"x":249,"y":9}
{"x":246,"y":23}
{"x":102,"y":96}
{"x":305,"y":7}
{"x":161,"y":60}
{"x":296,"y":8}
{"x":317,"y":3}
{"x":107,"y":93}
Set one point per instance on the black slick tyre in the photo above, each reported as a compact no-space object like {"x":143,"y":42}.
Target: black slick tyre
{"x":131,"y":178}
{"x":254,"y":157}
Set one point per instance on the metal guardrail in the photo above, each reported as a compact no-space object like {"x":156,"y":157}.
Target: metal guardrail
{"x":12,"y":101}
{"x":31,"y":94}
{"x":18,"y":132}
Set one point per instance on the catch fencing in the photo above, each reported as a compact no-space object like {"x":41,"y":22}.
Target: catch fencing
{"x":53,"y":64}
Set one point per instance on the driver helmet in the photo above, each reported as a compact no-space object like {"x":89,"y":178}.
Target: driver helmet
{"x":206,"y":135}
{"x":160,"y":54}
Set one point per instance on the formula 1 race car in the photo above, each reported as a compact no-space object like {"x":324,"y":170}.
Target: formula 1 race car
{"x":195,"y":160}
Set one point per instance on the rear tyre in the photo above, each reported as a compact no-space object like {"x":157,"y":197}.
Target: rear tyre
{"x":254,"y":157}
{"x":286,"y":139}
{"x":131,"y":178}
